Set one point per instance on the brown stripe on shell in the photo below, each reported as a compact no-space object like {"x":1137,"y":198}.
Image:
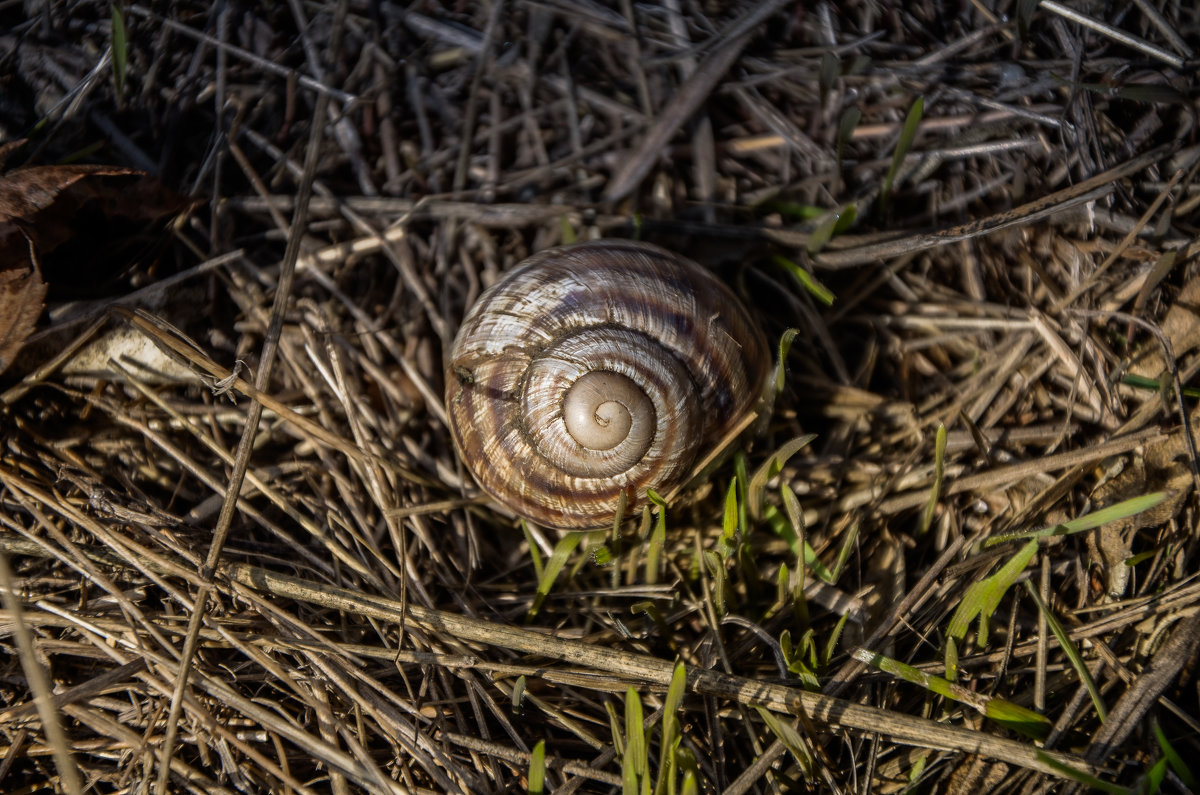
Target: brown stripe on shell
{"x":686,"y":325}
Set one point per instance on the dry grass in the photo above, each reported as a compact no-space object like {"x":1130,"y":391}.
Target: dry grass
{"x":358,"y":619}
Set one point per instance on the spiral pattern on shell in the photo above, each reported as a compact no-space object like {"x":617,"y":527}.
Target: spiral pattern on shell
{"x":595,"y":369}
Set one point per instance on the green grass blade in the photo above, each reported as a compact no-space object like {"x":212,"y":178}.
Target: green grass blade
{"x":658,"y":539}
{"x":783,"y":528}
{"x":614,"y":728}
{"x":562,"y":551}
{"x":670,"y":728}
{"x":1082,"y":776}
{"x":120,"y":51}
{"x":690,"y":770}
{"x":716,"y":569}
{"x":835,"y":222}
{"x":791,"y":740}
{"x":983,"y":597}
{"x":518,"y":693}
{"x":785,"y":347}
{"x":629,"y":779}
{"x":1154,"y":777}
{"x":844,"y":554}
{"x":1014,"y":716}
{"x":742,"y":478}
{"x":635,"y":735}
{"x":1113,"y":513}
{"x":907,"y":134}
{"x":951,"y":660}
{"x":846,"y":124}
{"x":729,"y":521}
{"x":939,"y":473}
{"x":914,"y":775}
{"x":1020,"y":719}
{"x":1174,"y":759}
{"x":537,"y":769}
{"x":675,"y":693}
{"x":832,"y":642}
{"x":1072,"y":651}
{"x":816,"y":241}
{"x":756,"y":491}
{"x":534,"y":553}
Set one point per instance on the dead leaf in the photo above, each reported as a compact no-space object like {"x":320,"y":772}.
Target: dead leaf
{"x":39,"y":205}
{"x":1181,"y":326}
{"x":22,"y":295}
{"x":7,"y":148}
{"x":1162,"y":466}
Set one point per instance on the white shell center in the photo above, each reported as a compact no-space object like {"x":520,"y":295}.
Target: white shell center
{"x":598,"y":409}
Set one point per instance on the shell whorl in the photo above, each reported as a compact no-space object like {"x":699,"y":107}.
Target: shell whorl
{"x":596,"y":369}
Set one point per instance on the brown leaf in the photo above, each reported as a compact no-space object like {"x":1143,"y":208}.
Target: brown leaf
{"x":87,"y":224}
{"x":8,"y":147}
{"x":22,"y":293}
{"x":28,"y":212}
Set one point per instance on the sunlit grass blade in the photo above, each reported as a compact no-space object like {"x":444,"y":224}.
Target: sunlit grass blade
{"x":832,"y":641}
{"x":537,"y":769}
{"x":785,"y":347}
{"x":616,"y":543}
{"x":914,"y":775}
{"x":658,"y":539}
{"x":791,"y":739}
{"x":636,"y":759}
{"x":791,"y":509}
{"x":1071,"y":650}
{"x":562,"y":551}
{"x":783,"y":527}
{"x":1122,"y":510}
{"x":742,"y":478}
{"x":939,"y":473}
{"x":816,"y":242}
{"x":614,"y":728}
{"x":690,"y":770}
{"x":794,"y":657}
{"x":983,"y":597}
{"x":1014,"y":716}
{"x":795,"y":517}
{"x":844,"y":553}
{"x":729,"y":520}
{"x":716,"y":570}
{"x":670,"y":729}
{"x":772,"y":467}
{"x":907,"y":133}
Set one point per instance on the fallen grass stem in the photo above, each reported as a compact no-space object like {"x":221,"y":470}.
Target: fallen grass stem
{"x":835,"y":712}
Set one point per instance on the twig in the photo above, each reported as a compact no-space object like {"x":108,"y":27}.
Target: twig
{"x":686,"y":100}
{"x":1115,"y":34}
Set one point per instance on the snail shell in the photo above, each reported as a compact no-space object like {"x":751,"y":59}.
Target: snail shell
{"x":596,"y":369}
